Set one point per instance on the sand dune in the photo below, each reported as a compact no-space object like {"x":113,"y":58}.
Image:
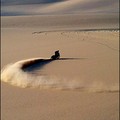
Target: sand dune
{"x":91,"y":84}
{"x":79,"y":6}
{"x":62,"y":22}
{"x":62,"y":7}
{"x":95,"y":65}
{"x":84,"y":83}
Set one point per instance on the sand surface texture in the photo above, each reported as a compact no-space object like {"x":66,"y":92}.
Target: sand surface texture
{"x":83,"y":84}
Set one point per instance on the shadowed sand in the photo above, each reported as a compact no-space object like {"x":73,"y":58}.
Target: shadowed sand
{"x":39,"y":63}
{"x":35,"y":64}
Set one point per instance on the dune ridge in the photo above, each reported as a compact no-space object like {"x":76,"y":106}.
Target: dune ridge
{"x":62,"y":22}
{"x":61,"y":7}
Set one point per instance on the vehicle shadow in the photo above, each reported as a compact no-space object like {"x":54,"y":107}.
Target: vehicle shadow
{"x":36,"y":64}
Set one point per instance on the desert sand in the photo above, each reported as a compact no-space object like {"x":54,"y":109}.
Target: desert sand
{"x":82,"y":85}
